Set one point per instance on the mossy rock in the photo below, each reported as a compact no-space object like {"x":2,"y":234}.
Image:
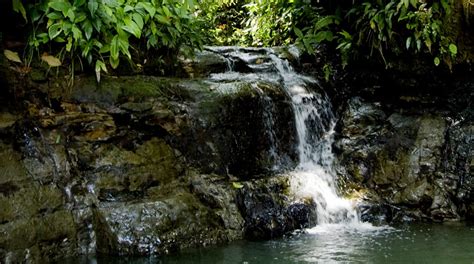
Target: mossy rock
{"x":29,"y":202}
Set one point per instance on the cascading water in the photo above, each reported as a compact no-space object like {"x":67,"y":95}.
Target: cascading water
{"x":314,"y":177}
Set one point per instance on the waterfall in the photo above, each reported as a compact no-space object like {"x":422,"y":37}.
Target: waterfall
{"x":314,"y":177}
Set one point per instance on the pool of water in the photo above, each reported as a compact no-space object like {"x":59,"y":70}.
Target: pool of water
{"x":416,"y":243}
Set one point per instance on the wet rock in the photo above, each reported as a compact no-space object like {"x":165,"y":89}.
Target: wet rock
{"x":204,"y":63}
{"x":401,"y":160}
{"x":269,"y":213}
{"x":7,"y":120}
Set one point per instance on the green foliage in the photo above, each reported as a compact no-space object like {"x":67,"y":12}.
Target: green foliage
{"x":387,"y":27}
{"x":256,"y":23}
{"x":104,"y":32}
{"x":224,"y":21}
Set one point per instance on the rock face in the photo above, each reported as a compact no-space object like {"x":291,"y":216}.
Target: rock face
{"x":411,"y":166}
{"x":143,"y":165}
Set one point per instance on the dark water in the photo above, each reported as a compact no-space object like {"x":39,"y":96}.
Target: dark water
{"x":433,"y":243}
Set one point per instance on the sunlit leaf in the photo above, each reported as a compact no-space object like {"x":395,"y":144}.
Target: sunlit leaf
{"x":12,"y":56}
{"x":54,"y":30}
{"x":60,"y":6}
{"x":408,"y":43}
{"x":99,"y":67}
{"x":87,"y":27}
{"x":237,"y":185}
{"x":51,"y":60}
{"x":453,"y":49}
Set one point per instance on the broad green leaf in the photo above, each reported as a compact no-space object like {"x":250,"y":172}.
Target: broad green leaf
{"x":59,"y":40}
{"x":148,"y":7}
{"x":60,"y":6}
{"x":99,"y":67}
{"x":166,"y":11}
{"x":55,"y":15}
{"x":114,"y":48}
{"x":408,"y":43}
{"x":324,"y":22}
{"x":87,"y":27}
{"x":428,"y":43}
{"x":436,"y":61}
{"x":35,"y":14}
{"x":97,"y":23}
{"x":112,"y":3}
{"x":139,"y":20}
{"x":54,"y":30}
{"x":67,"y":27}
{"x":406,"y":3}
{"x":71,"y":14}
{"x":12,"y":56}
{"x":128,"y":8}
{"x":19,"y":8}
{"x":109,"y":11}
{"x":69,"y":44}
{"x":453,"y":49}
{"x":80,"y":17}
{"x":93,"y":6}
{"x":345,"y":34}
{"x":79,"y":3}
{"x":123,"y":45}
{"x":104,"y":49}
{"x":76,"y":33}
{"x":51,"y":60}
{"x":298,"y":32}
{"x":162,"y":19}
{"x":131,"y":27}
{"x":323,"y":36}
{"x":308,"y":46}
{"x":114,"y":62}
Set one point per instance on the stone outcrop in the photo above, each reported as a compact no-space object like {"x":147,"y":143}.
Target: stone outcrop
{"x":410,"y":166}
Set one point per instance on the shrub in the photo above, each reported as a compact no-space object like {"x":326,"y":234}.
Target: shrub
{"x":387,"y":27}
{"x":102,"y":32}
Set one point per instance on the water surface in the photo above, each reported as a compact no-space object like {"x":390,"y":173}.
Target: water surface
{"x":415,"y":243}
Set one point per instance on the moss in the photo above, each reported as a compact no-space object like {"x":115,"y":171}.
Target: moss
{"x":391,"y":170}
{"x":29,"y":202}
{"x":113,"y":90}
{"x":11,"y":168}
{"x":25,"y":233}
{"x":150,"y":164}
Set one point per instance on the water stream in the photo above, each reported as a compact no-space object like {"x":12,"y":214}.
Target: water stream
{"x":314,"y":176}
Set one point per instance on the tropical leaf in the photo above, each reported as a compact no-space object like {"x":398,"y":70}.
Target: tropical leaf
{"x":51,"y":60}
{"x":12,"y":56}
{"x":237,"y":185}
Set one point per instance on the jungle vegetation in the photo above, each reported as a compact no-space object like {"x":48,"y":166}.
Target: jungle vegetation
{"x":102,"y":34}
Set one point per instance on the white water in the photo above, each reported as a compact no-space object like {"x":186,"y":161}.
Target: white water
{"x":314,"y":177}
